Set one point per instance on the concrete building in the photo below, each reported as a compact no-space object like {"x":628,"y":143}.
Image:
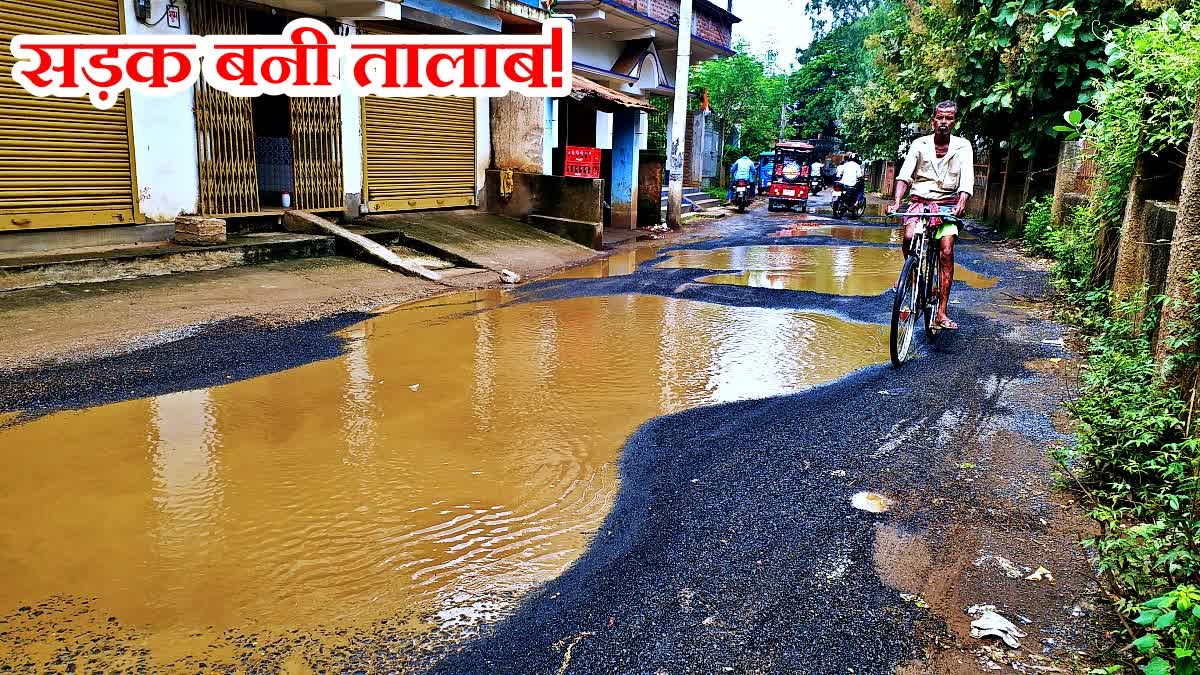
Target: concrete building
{"x":65,"y":164}
{"x":624,"y":54}
{"x":73,"y":175}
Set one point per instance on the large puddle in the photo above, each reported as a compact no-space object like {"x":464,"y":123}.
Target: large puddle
{"x":446,"y":463}
{"x":836,"y":270}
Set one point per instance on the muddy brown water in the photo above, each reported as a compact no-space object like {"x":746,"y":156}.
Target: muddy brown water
{"x":458,"y":453}
{"x":837,"y":270}
{"x":873,"y":235}
{"x":618,"y":264}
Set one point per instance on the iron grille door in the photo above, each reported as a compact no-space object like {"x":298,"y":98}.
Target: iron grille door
{"x":224,"y":125}
{"x":317,"y":153}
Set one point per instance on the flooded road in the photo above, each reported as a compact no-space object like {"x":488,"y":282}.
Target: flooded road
{"x":836,"y":270}
{"x":872,"y":235}
{"x":459,"y":452}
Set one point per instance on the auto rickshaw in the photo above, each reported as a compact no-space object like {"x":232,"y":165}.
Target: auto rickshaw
{"x":766,"y":168}
{"x":789,"y":183}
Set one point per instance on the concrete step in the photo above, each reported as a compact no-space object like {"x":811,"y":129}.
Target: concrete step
{"x":415,"y":257}
{"x":95,"y":264}
{"x":578,"y":231}
{"x":354,"y":244}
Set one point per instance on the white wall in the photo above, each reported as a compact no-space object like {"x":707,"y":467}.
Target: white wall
{"x":483,"y":140}
{"x":604,"y":130}
{"x":594,"y":51}
{"x":550,"y":139}
{"x":352,"y":142}
{"x":164,"y":136}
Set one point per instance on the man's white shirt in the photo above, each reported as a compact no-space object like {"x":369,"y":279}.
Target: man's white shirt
{"x":849,"y":173}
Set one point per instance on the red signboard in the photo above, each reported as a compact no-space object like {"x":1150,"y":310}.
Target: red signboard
{"x":582,"y":162}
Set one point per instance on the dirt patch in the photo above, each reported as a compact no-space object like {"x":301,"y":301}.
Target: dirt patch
{"x":979,"y":545}
{"x":77,"y":322}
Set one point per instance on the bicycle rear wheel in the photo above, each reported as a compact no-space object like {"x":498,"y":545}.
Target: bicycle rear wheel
{"x":905,"y":308}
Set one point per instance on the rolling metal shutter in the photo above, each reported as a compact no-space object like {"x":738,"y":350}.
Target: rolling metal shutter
{"x":418,"y":153}
{"x":63,"y":163}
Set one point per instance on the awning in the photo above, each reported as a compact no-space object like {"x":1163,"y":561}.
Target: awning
{"x":602,"y":98}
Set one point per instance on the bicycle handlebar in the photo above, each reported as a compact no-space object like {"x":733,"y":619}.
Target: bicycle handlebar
{"x":945,"y":216}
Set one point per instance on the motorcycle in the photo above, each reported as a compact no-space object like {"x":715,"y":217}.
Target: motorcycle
{"x":741,"y":194}
{"x":842,"y":207}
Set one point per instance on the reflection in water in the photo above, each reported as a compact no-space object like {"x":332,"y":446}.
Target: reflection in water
{"x":618,"y":264}
{"x":863,"y":233}
{"x":839,"y":270}
{"x":449,"y":460}
{"x":187,"y":489}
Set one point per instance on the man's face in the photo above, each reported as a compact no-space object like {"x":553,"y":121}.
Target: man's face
{"x":944,"y":119}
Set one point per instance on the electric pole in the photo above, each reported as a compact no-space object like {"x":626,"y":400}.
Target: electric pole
{"x":675,"y":148}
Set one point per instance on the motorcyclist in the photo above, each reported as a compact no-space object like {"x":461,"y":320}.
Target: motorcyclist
{"x":814,"y":175}
{"x":742,"y":169}
{"x":849,"y":175}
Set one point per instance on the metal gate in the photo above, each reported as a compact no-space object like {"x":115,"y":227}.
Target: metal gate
{"x":63,"y":163}
{"x":229,"y":184}
{"x":224,"y":125}
{"x":418,"y":153}
{"x":317,"y":153}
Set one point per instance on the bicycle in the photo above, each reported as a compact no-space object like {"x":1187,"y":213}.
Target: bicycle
{"x":917,"y":291}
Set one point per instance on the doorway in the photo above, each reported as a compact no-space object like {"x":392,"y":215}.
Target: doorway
{"x":258,"y":155}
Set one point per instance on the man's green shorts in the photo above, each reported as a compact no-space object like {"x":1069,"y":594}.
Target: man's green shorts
{"x":946,"y":230}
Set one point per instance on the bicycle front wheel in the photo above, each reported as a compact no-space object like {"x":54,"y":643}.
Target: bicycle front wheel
{"x":905,"y":308}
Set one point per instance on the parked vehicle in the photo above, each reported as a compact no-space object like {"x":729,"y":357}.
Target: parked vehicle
{"x":842,"y":207}
{"x":790,"y":182}
{"x":766,"y":169}
{"x":742,"y":194}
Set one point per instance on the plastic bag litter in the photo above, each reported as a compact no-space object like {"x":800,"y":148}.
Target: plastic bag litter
{"x":994,"y":625}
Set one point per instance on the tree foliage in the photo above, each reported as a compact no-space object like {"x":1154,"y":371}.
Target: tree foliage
{"x":744,"y":93}
{"x":1014,"y":66}
{"x":825,"y":71}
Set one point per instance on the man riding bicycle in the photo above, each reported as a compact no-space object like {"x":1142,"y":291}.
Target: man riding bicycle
{"x":940,"y":169}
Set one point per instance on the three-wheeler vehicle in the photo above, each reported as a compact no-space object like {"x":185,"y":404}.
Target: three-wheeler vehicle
{"x":790,"y":178}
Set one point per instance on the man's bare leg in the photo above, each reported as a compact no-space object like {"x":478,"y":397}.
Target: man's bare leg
{"x":947,"y":280}
{"x":909,"y":225}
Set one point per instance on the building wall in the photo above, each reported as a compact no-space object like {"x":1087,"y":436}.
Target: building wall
{"x":712,"y":30}
{"x":483,"y":145}
{"x":595,"y":51}
{"x":352,"y":149}
{"x":164,"y":138}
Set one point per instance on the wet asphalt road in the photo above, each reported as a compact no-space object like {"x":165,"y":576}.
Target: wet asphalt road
{"x":732,"y":546}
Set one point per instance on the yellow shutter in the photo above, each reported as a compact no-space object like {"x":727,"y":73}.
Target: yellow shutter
{"x":419,"y":153}
{"x":63,"y":163}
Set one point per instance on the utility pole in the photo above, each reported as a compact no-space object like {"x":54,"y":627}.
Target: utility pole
{"x":679,"y":116}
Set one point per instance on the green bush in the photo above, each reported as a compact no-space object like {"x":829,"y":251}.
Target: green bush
{"x":1139,"y":461}
{"x":1037,"y":225}
{"x":1072,"y":245}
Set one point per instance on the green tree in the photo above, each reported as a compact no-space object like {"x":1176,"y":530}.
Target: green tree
{"x":744,"y":91}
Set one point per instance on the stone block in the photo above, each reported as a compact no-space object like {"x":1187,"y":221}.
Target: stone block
{"x":199,"y":231}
